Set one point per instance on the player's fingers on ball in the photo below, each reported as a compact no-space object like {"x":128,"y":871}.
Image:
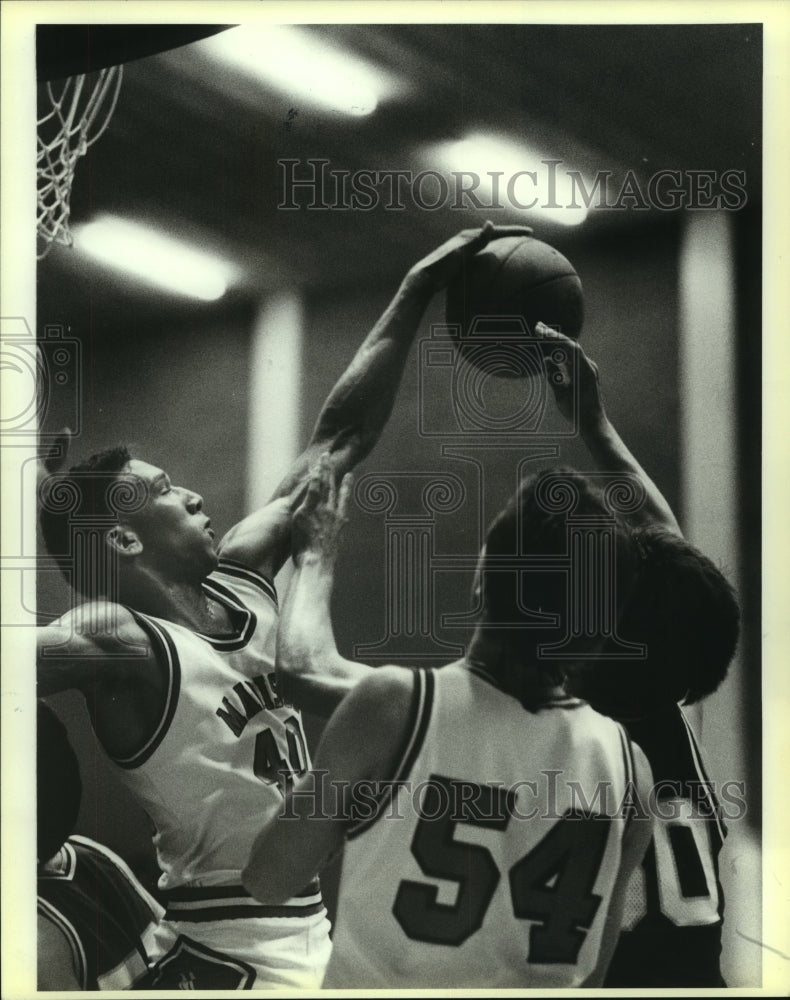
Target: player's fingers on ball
{"x":331,"y":488}
{"x":549,"y":333}
{"x":476,"y":239}
{"x":500,"y":231}
{"x":313,"y":494}
{"x":326,"y":476}
{"x":299,"y":516}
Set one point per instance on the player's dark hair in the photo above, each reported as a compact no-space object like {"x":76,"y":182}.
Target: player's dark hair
{"x":685,"y":612}
{"x":528,"y":526}
{"x":58,"y":784}
{"x":84,"y":490}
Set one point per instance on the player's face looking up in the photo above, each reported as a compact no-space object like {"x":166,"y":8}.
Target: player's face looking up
{"x":174,"y":533}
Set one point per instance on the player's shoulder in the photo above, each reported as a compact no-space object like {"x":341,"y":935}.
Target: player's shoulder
{"x":387,"y":689}
{"x":599,"y":736}
{"x":104,"y":626}
{"x":379,"y":705}
{"x":96,"y":617}
{"x":366,"y":734}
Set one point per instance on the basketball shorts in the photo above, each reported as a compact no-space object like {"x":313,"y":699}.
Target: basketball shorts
{"x":221,"y":945}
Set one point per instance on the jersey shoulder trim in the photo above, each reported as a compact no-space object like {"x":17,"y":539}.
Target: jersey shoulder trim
{"x":246,"y":621}
{"x":629,"y":771}
{"x":61,"y":867}
{"x":420,"y":710}
{"x":165,"y":651}
{"x":699,"y":766}
{"x":232,"y":568}
{"x":478,"y":670}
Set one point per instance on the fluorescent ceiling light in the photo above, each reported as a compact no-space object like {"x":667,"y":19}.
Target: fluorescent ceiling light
{"x":154,"y":257}
{"x":302,"y":66}
{"x":513,"y":176}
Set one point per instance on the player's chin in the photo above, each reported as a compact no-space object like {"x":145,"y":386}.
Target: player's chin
{"x":212,"y":558}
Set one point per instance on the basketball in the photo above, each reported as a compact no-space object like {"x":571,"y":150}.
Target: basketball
{"x":508,"y":287}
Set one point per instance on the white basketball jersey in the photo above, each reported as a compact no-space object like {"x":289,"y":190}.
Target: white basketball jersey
{"x":492,"y":859}
{"x":226,"y":744}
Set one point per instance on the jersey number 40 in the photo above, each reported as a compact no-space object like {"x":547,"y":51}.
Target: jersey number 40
{"x":278,"y":763}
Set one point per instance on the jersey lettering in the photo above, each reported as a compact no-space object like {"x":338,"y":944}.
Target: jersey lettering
{"x":440,"y":856}
{"x":253,"y":697}
{"x":551,"y":885}
{"x":687,"y":889}
{"x":191,"y":965}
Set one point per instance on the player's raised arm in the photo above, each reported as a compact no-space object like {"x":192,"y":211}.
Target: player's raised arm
{"x":312,"y":672}
{"x":360,"y":744}
{"x":360,"y":404}
{"x":607,"y":448}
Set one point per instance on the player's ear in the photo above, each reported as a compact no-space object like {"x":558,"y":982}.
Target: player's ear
{"x":125,"y":541}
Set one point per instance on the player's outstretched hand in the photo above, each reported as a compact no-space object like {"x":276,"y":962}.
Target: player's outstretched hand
{"x":578,"y":376}
{"x":319,"y":518}
{"x":439,"y":268}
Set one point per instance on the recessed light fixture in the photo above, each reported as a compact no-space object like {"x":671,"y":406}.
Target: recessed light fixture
{"x":303,"y":66}
{"x":154,"y":257}
{"x":504,"y":173}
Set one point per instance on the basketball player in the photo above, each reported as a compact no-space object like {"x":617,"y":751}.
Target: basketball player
{"x":177,"y":666}
{"x":685,"y":612}
{"x":472,"y":856}
{"x":98,"y":928}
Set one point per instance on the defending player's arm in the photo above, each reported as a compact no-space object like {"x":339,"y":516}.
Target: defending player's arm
{"x":360,"y":743}
{"x":635,"y":842}
{"x":360,"y":404}
{"x":312,"y":672}
{"x":607,"y":448}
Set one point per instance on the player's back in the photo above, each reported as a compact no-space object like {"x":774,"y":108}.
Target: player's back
{"x":485,"y":867}
{"x":674,"y":904}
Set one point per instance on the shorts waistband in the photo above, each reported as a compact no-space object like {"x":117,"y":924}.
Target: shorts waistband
{"x":233,"y":902}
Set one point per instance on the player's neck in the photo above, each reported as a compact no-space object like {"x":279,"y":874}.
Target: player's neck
{"x":524,"y":680}
{"x":181,"y":602}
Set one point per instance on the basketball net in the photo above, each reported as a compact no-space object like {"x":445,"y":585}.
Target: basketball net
{"x":76,"y":114}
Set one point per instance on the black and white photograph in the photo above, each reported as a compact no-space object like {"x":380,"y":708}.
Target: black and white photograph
{"x":392,"y":527}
